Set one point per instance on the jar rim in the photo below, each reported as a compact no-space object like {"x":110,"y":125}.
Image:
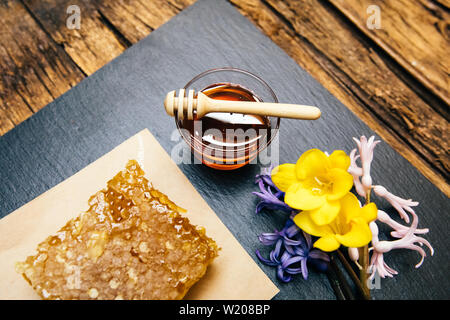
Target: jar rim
{"x":274,"y":129}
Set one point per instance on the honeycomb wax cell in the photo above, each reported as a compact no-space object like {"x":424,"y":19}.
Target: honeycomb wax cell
{"x":132,"y":243}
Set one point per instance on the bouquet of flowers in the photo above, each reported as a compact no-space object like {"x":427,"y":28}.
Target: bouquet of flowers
{"x":323,"y":215}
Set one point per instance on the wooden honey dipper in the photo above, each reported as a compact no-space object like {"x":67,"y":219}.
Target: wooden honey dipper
{"x":183,"y":106}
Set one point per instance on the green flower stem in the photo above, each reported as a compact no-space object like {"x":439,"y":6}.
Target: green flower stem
{"x":341,"y":278}
{"x":363,"y":276}
{"x":364,"y":261}
{"x":334,"y":282}
{"x":352,"y":274}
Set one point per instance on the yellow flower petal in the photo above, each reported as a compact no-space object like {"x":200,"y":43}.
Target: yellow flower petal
{"x":339,"y":159}
{"x":326,"y":213}
{"x":298,"y":197}
{"x":350,"y":208}
{"x":312,"y":163}
{"x":369,"y":212}
{"x":342,"y":183}
{"x":284,"y":176}
{"x":303,"y":221}
{"x":358,"y":236}
{"x":328,"y":243}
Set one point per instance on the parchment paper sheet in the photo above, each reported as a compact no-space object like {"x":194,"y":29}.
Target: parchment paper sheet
{"x":233,"y":275}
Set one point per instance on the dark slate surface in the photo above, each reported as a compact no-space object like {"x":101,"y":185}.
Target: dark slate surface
{"x":126,"y":96}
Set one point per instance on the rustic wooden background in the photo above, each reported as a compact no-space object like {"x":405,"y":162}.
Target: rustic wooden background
{"x":396,"y":78}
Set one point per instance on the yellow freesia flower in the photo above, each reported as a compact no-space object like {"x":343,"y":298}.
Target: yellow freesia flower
{"x":315,"y":183}
{"x":350,"y":227}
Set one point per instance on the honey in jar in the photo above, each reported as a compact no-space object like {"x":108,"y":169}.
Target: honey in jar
{"x":227,"y":141}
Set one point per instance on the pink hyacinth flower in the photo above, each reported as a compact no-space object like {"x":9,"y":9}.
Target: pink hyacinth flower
{"x":409,"y":240}
{"x":365,"y":148}
{"x":400,"y":204}
{"x":399,"y":230}
{"x":377,"y":264}
{"x":357,"y":173}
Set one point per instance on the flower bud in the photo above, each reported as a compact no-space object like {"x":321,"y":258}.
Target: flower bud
{"x":353,"y":253}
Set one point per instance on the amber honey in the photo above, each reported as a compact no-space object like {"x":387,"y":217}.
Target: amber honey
{"x":227,"y":141}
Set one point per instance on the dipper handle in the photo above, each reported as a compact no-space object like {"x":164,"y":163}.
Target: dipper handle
{"x":183,"y":106}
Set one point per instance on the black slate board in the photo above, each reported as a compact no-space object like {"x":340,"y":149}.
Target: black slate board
{"x":126,"y":96}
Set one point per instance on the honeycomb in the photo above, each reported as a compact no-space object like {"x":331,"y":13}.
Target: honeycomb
{"x":132,"y":243}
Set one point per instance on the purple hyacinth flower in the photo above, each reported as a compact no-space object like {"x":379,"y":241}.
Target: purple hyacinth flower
{"x":283,"y":263}
{"x":271,"y":197}
{"x":292,"y":248}
{"x":293,"y":251}
{"x":285,"y":236}
{"x":315,"y":257}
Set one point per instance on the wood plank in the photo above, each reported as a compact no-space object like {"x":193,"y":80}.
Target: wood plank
{"x":444,"y":3}
{"x":5,"y":123}
{"x":34,"y":70}
{"x":135,"y":19}
{"x":91,"y":46}
{"x":107,"y":27}
{"x":324,"y":45}
{"x":414,"y":33}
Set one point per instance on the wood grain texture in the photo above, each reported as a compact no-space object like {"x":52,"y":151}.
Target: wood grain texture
{"x":415,"y":33}
{"x":126,"y":96}
{"x":34,"y":70}
{"x":41,"y":58}
{"x":444,"y":3}
{"x":345,"y":64}
{"x":320,"y":37}
{"x":135,"y":19}
{"x":91,"y":46}
{"x":107,"y":27}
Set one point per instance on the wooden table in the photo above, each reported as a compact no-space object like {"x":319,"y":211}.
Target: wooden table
{"x":395,"y":78}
